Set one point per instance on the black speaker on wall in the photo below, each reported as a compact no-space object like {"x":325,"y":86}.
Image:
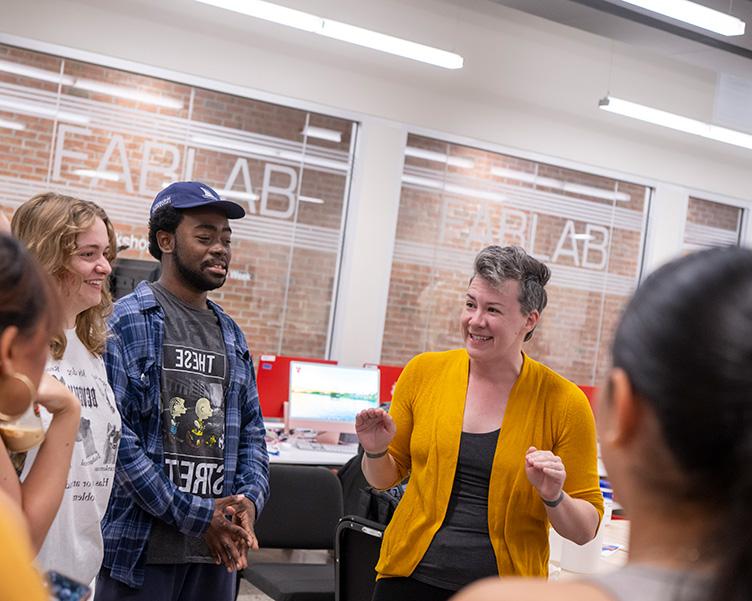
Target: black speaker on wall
{"x":127,"y":273}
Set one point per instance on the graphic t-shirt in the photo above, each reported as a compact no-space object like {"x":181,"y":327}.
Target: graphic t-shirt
{"x":194,"y":376}
{"x":73,"y":545}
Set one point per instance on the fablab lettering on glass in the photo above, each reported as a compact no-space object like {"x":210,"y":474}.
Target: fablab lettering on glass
{"x":586,"y":247}
{"x":115,"y":162}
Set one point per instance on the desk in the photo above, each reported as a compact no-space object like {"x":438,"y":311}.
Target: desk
{"x":615,"y":532}
{"x":290,"y":454}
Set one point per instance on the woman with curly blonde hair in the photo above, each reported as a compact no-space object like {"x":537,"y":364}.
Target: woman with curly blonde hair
{"x":74,"y":241}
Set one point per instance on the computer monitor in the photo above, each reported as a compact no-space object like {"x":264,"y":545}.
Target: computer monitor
{"x":328,"y":397}
{"x":273,"y":381}
{"x":389,"y":375}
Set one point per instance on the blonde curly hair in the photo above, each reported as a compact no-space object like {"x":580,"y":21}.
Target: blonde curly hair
{"x":48,"y":224}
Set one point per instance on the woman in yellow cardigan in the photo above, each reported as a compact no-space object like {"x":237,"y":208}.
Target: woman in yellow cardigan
{"x":675,"y":426}
{"x":497,"y":447}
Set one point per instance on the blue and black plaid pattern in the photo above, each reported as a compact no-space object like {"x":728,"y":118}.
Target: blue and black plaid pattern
{"x":142,"y":491}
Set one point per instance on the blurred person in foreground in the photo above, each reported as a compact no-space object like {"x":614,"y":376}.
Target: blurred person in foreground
{"x":28,"y":321}
{"x":497,"y":446}
{"x":193,"y":452}
{"x":74,"y":241}
{"x":675,"y":426}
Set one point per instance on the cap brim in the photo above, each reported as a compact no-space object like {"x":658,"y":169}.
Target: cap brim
{"x":232,"y":209}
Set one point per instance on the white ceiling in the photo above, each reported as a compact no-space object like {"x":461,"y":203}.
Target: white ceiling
{"x":529,"y":83}
{"x":640,"y":28}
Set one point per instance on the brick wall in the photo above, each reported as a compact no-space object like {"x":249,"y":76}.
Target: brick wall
{"x":714,"y":214}
{"x":283,"y":299}
{"x":284,"y":302}
{"x":427,"y":285}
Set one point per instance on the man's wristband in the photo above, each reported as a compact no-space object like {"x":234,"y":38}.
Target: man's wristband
{"x":376,"y":455}
{"x":555,"y":502}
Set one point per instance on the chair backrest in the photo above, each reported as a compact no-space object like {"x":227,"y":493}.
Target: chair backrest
{"x":360,"y":499}
{"x":303,"y":509}
{"x":357,"y":552}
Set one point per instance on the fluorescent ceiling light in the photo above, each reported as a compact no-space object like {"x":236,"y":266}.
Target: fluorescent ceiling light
{"x":109,"y":176}
{"x":34,"y":73}
{"x":340,"y":31}
{"x":322,"y":133}
{"x":439,"y":157}
{"x":250,"y":148}
{"x":15,"y":125}
{"x":674,"y":121}
{"x":127,"y":93}
{"x":427,"y":182}
{"x":694,"y":14}
{"x":556,"y":184}
{"x":91,"y":85}
{"x":37,"y":110}
{"x":236,"y":195}
{"x":311,"y":199}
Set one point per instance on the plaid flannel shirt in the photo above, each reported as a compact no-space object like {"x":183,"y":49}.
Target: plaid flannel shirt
{"x":142,"y":490}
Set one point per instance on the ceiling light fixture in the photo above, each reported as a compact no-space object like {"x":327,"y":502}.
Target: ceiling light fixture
{"x":90,"y":85}
{"x":322,"y":133}
{"x":37,"y":110}
{"x":258,"y":149}
{"x":439,"y":157}
{"x":311,"y":199}
{"x":35,"y":73}
{"x":340,"y":31}
{"x":109,"y":176}
{"x":427,"y":182}
{"x":674,"y":121}
{"x":14,"y":125}
{"x":694,"y":14}
{"x":556,"y":184}
{"x":237,"y":195}
{"x":127,"y":93}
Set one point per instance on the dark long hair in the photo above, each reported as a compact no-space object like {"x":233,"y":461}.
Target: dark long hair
{"x":685,"y":342}
{"x":28,"y":298}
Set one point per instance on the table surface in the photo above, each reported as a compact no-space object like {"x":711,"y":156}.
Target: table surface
{"x":616,"y":532}
{"x":287,"y":452}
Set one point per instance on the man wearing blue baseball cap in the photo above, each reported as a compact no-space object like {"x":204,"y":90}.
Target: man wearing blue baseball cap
{"x":192,"y":472}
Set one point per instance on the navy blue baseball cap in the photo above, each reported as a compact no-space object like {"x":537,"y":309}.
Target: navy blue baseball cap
{"x":189,"y":195}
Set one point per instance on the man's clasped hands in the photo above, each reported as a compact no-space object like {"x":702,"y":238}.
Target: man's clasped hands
{"x":230,"y":534}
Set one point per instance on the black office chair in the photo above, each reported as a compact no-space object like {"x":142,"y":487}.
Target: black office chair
{"x":357,"y":551}
{"x":302,"y":513}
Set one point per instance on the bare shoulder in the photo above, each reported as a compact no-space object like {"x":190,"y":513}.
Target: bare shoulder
{"x":523,"y":589}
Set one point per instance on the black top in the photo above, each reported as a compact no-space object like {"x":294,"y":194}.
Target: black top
{"x":461,"y":550}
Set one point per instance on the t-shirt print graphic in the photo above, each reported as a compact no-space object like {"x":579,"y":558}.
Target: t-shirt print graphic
{"x":112,"y":443}
{"x":193,"y":418}
{"x":86,"y":436}
{"x":90,"y":398}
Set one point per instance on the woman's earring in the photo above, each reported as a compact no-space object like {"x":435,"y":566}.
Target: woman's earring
{"x":19,"y":385}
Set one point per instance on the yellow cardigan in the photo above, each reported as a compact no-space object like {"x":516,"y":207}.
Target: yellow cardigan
{"x":18,"y":574}
{"x":543,"y":410}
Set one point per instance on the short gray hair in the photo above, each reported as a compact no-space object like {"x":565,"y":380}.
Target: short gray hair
{"x":496,"y":264}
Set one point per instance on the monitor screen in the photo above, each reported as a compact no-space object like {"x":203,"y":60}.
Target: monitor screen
{"x":328,"y":397}
{"x":273,"y":382}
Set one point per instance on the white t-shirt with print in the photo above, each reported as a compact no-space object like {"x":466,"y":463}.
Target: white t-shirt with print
{"x":73,"y":545}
